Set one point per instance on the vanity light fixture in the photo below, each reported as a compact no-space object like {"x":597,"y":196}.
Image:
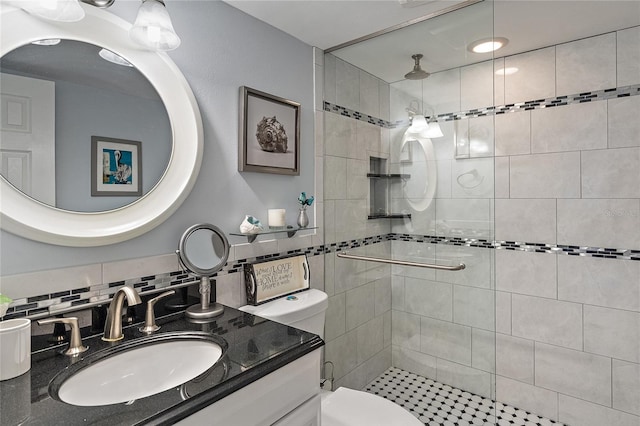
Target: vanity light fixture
{"x":54,"y":10}
{"x":487,"y":45}
{"x":153,"y":28}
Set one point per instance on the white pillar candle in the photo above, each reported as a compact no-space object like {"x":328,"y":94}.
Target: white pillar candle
{"x":276,"y":218}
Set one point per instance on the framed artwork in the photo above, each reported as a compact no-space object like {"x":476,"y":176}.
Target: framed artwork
{"x":116,"y":167}
{"x":269,"y":134}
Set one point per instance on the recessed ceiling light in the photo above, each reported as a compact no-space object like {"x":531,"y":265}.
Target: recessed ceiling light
{"x":47,"y":42}
{"x":487,"y":45}
{"x":507,"y":71}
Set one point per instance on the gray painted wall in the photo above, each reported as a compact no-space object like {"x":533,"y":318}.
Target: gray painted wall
{"x":222,"y":49}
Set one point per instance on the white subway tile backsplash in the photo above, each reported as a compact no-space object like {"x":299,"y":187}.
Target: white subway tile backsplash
{"x":573,"y":373}
{"x":569,"y":128}
{"x":527,"y":397}
{"x":535,"y":78}
{"x":623,"y":123}
{"x":574,"y":411}
{"x":599,"y":223}
{"x":599,"y":282}
{"x":626,"y":387}
{"x":612,"y":332}
{"x":628,"y":56}
{"x":513,"y":133}
{"x":611,"y":173}
{"x":538,"y":214}
{"x":445,"y":340}
{"x":546,"y":320}
{"x":527,"y":273}
{"x":545,"y":175}
{"x":586,"y":65}
{"x":515,"y":358}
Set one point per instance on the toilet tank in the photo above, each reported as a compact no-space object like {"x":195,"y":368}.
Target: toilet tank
{"x":304,"y":310}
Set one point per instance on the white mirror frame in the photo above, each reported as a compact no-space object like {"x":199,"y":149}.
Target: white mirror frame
{"x":24,"y":216}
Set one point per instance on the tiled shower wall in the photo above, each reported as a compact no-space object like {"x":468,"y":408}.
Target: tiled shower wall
{"x":560,"y":335}
{"x":555,"y":334}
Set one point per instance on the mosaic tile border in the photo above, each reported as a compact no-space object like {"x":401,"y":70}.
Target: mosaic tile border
{"x":598,"y":95}
{"x":54,"y":303}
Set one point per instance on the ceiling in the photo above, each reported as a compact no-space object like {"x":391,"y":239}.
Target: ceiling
{"x":528,"y":24}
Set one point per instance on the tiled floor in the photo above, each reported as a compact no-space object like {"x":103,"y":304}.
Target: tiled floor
{"x":438,"y":404}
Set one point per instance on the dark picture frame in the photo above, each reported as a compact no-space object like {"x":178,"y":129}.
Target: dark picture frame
{"x":116,"y":167}
{"x":269,"y":133}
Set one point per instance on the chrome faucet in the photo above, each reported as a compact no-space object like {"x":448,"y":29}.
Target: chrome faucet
{"x":113,"y":323}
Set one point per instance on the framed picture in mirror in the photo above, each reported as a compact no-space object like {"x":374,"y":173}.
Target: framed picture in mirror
{"x":116,"y":167}
{"x":269,"y":133}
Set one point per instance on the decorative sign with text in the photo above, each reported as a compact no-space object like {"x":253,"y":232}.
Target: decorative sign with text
{"x":266,"y":281}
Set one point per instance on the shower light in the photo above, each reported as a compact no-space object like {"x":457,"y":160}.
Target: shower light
{"x":506,"y":71}
{"x":153,"y":28}
{"x":486,"y":45}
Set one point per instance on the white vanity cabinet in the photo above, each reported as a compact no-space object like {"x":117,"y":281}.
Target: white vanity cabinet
{"x":288,"y":396}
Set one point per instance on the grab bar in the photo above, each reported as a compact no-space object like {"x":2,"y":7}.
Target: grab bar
{"x":345,"y":255}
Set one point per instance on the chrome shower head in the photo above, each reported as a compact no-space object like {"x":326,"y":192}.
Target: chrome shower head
{"x":416,"y":73}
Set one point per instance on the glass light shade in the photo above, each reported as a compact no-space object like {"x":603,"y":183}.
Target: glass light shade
{"x":418,"y":124}
{"x":152,"y":28}
{"x":432,"y":131}
{"x":114,"y":58}
{"x":55,"y":10}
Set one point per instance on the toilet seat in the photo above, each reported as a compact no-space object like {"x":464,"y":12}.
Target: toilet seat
{"x":348,"y":407}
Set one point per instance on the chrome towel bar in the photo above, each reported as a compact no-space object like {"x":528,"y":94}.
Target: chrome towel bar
{"x":345,"y":255}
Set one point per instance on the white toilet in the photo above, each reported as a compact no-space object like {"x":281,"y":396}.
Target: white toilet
{"x":344,"y":407}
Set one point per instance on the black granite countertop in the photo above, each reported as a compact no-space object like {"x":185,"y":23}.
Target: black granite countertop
{"x":256,"y":347}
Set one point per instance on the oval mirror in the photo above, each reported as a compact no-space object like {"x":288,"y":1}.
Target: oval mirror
{"x":68,"y":225}
{"x":76,"y":95}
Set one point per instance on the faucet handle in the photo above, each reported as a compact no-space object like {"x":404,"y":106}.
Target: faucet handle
{"x":150,"y":317}
{"x":75,"y":345}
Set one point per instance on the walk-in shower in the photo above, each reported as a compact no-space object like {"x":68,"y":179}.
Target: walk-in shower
{"x":533,"y":186}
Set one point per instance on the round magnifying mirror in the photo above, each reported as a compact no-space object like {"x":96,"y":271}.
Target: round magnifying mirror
{"x":204,"y":250}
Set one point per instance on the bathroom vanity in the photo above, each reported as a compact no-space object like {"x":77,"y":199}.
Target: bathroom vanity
{"x":269,"y":374}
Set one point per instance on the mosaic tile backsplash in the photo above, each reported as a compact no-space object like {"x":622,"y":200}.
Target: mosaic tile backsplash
{"x":53,"y":303}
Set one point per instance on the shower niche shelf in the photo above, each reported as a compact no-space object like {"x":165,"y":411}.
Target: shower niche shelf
{"x":380,"y":190}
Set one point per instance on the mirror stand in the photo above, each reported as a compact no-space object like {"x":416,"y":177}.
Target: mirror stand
{"x":205,"y":309}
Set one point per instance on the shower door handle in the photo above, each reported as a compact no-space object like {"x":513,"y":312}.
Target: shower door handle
{"x":345,"y":255}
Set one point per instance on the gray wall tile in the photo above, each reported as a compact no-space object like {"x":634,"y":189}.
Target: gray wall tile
{"x":628,"y":56}
{"x":623,"y":124}
{"x":626,"y":386}
{"x":535,"y":78}
{"x":545,"y":175}
{"x":526,"y":273}
{"x":513,"y":133}
{"x":527,"y":397}
{"x":429,"y":298}
{"x":445,"y":340}
{"x":515,"y":358}
{"x":574,"y":411}
{"x":611,"y":173}
{"x":538,"y":214}
{"x":612,"y":332}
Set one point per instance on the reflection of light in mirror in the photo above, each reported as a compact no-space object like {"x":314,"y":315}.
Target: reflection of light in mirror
{"x":47,"y":42}
{"x":507,"y":71}
{"x":114,"y":58}
{"x":432,"y":131}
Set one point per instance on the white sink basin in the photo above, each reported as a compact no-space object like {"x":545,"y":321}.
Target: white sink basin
{"x":137,"y":369}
